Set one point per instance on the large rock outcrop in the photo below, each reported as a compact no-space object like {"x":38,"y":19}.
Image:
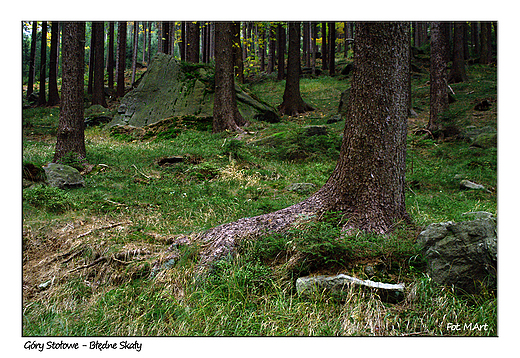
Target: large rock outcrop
{"x":463,"y":254}
{"x":170,"y":88}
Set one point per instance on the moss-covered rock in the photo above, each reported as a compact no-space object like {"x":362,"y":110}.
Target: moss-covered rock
{"x":171,"y":89}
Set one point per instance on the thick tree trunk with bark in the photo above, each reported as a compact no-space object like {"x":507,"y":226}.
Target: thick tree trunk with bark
{"x":293,"y":103}
{"x":193,"y":42}
{"x":438,"y":75}
{"x":225,"y":111}
{"x":98,"y":90}
{"x":367,"y":185}
{"x":70,"y":134}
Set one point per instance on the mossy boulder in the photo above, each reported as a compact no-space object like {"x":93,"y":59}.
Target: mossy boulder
{"x":63,"y":176}
{"x":174,"y":89}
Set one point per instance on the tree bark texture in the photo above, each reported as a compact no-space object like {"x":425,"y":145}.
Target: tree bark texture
{"x":54,"y":96}
{"x":293,"y":103}
{"x":98,"y":90}
{"x":192,"y":42}
{"x":135,"y":49}
{"x":225,"y":111}
{"x":438,"y":75}
{"x":458,"y":68}
{"x":368,"y":182}
{"x":71,"y":124}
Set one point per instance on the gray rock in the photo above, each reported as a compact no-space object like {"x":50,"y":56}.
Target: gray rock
{"x":467,"y":184}
{"x":462,"y":255}
{"x":301,"y":188}
{"x":343,"y":102}
{"x":63,"y":176}
{"x":342,"y":283}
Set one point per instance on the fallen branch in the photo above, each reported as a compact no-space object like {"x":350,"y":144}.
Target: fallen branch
{"x":93,"y":263}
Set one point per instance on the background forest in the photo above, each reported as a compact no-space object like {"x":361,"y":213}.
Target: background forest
{"x":90,"y":254}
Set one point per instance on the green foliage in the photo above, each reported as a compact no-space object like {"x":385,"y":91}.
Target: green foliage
{"x":49,"y":198}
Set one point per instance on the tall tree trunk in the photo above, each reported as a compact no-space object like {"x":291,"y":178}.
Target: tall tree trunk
{"x":71,"y":124}
{"x":54,"y":96}
{"x":111,"y":61}
{"x":271,"y":59}
{"x":121,"y":58}
{"x":485,"y":43}
{"x":262,"y":46}
{"x":98,"y":91}
{"x":438,"y":75}
{"x":293,"y":103}
{"x":324,"y":48}
{"x":368,"y":183}
{"x":332,"y":48}
{"x":134,"y":52}
{"x":192,"y":41}
{"x":306,"y":44}
{"x":32,"y":60}
{"x":225,"y":111}
{"x":458,"y":68}
{"x":281,"y":40}
{"x":43,"y":65}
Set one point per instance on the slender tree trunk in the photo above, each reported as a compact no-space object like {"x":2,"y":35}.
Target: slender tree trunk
{"x":134,"y":52}
{"x":225,"y":111}
{"x":458,"y":68}
{"x":111,"y":61}
{"x":34,"y":34}
{"x":149,"y":52}
{"x":332,"y":47}
{"x":280,"y":31}
{"x":262,"y":47}
{"x":121,"y":58}
{"x":271,"y":59}
{"x":98,"y":90}
{"x":54,"y":96}
{"x":438,"y":75}
{"x":305,"y":44}
{"x":43,"y":65}
{"x":314,"y":34}
{"x":368,"y":183}
{"x":143,"y":59}
{"x":293,"y":103}
{"x":70,"y":134}
{"x":165,"y":37}
{"x":324,"y":48}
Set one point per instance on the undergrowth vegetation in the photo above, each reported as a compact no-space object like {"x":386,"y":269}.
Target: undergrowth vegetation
{"x":102,"y":260}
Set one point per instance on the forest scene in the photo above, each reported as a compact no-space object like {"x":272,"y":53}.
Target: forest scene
{"x":249,"y":178}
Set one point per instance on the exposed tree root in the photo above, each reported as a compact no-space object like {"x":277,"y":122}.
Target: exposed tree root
{"x":222,"y":240}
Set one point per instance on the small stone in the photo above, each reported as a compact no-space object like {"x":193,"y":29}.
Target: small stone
{"x":63,"y":176}
{"x":466,"y":184}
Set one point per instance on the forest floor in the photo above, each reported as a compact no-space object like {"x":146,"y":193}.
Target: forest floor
{"x":99,"y":260}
